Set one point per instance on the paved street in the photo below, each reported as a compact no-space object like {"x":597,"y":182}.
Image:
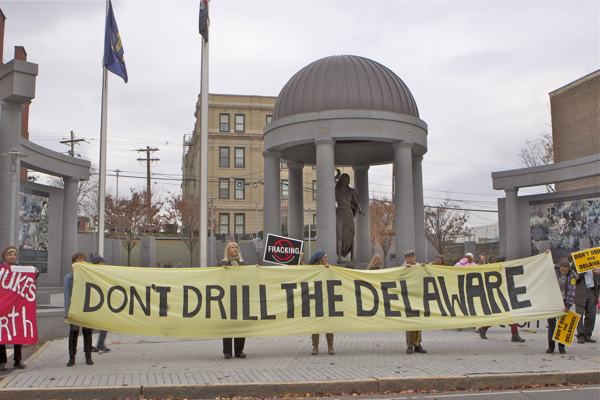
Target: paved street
{"x":149,"y":361}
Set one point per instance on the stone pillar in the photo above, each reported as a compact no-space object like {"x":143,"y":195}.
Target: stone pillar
{"x":10,"y":129}
{"x":405,"y":207}
{"x":17,"y":87}
{"x":420,"y":246}
{"x":148,"y":252}
{"x":295,"y":201}
{"x":272,"y":196}
{"x":326,"y":236}
{"x":362,"y":239}
{"x":512,"y":224}
{"x":69,"y":225}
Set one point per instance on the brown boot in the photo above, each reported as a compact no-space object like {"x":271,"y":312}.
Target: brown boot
{"x":329,"y":337}
{"x":315,"y":343}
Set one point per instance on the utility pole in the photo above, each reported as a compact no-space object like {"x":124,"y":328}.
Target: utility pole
{"x":148,"y":160}
{"x":72,"y":143}
{"x":117,"y":171}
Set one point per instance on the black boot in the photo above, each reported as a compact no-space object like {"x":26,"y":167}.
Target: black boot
{"x":73,"y":335}
{"x":87,"y":345}
{"x":18,"y":357}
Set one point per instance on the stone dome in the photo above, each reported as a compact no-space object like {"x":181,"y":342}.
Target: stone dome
{"x":344,"y":83}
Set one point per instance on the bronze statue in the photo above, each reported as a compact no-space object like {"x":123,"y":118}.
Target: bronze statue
{"x":347,"y":208}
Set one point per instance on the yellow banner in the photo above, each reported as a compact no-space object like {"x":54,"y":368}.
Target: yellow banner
{"x":565,"y":328}
{"x":250,"y":301}
{"x":586,"y":260}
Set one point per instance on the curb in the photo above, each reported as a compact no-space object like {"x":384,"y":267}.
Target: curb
{"x":38,"y":352}
{"x":463,"y":382}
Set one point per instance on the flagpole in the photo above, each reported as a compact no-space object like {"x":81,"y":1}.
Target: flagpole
{"x":102,"y":162}
{"x":203,"y":156}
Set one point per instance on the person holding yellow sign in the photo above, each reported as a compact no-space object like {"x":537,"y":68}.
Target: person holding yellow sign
{"x":566,"y":281}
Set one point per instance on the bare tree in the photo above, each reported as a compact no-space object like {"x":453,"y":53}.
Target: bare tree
{"x":383,"y":227}
{"x":185,"y":213}
{"x":130,"y":219}
{"x":443,"y":223}
{"x":538,"y":152}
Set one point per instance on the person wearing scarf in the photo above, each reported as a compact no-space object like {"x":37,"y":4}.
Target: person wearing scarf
{"x":10,"y":255}
{"x":231,"y":258}
{"x":320,"y":258}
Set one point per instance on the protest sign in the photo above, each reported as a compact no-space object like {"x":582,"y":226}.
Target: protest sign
{"x":250,"y":301}
{"x":565,"y":328}
{"x":282,"y":250}
{"x":586,"y":260}
{"x":17,"y":305}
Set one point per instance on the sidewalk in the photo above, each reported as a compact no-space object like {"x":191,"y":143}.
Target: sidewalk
{"x":280,"y":365}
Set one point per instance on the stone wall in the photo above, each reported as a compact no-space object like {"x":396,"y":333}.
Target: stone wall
{"x":456,"y":251}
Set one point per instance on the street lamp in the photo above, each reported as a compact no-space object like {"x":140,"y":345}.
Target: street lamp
{"x":14,"y":155}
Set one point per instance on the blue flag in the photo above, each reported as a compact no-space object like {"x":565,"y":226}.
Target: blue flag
{"x":114,"y":61}
{"x":203,"y":20}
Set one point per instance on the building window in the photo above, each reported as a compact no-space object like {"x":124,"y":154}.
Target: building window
{"x":224,"y":225}
{"x":239,"y":189}
{"x":223,"y":122}
{"x":224,"y":157}
{"x":240,"y":224}
{"x":284,"y":165}
{"x":240,"y":123}
{"x":240,"y":156}
{"x":285,"y":189}
{"x":314,"y":190}
{"x":269,"y":119}
{"x":224,"y":188}
{"x":314,"y":222}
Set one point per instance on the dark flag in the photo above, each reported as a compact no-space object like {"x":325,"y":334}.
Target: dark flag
{"x":113,"y":48}
{"x":203,"y":21}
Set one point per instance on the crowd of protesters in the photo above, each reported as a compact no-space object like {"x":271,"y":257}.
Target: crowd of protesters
{"x":580,"y":290}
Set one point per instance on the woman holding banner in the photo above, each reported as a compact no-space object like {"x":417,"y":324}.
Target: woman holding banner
{"x":74,"y":329}
{"x":233,"y":257}
{"x":320,"y":258}
{"x":566,"y":282}
{"x":10,"y":255}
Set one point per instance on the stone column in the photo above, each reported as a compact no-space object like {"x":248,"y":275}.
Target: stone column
{"x":295,"y":201}
{"x":405,"y":207}
{"x":69,"y":225}
{"x":17,"y":87}
{"x":362,"y":239}
{"x":326,"y":237}
{"x":272,"y":196}
{"x":420,"y":246}
{"x":512,"y":224}
{"x":10,"y":137}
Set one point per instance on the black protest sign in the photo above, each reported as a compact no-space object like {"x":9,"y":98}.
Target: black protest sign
{"x":282,"y":250}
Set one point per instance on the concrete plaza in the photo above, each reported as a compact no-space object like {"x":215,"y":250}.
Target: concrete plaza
{"x":364,"y":362}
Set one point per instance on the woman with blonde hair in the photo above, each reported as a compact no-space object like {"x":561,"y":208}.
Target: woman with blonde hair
{"x":375,"y":262}
{"x":233,"y":257}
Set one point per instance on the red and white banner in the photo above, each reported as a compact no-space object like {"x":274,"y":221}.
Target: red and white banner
{"x":17,"y":305}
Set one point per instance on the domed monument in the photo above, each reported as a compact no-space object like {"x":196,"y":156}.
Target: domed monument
{"x":346,"y":111}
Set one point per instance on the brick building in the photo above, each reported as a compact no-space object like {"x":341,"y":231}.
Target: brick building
{"x":575,"y":112}
{"x":236,"y":166}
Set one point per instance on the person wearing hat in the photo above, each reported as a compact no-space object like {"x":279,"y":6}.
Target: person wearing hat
{"x":566,"y":281}
{"x":412,"y":337}
{"x":466,"y":261}
{"x":74,"y":329}
{"x":321,"y":258}
{"x":99,"y":260}
{"x":10,"y":255}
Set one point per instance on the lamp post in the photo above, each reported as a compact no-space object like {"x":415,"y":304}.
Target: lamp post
{"x":309,"y":232}
{"x":212,"y":232}
{"x":14,"y":155}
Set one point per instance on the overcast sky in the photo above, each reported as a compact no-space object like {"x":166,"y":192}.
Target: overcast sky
{"x":480,"y":72}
